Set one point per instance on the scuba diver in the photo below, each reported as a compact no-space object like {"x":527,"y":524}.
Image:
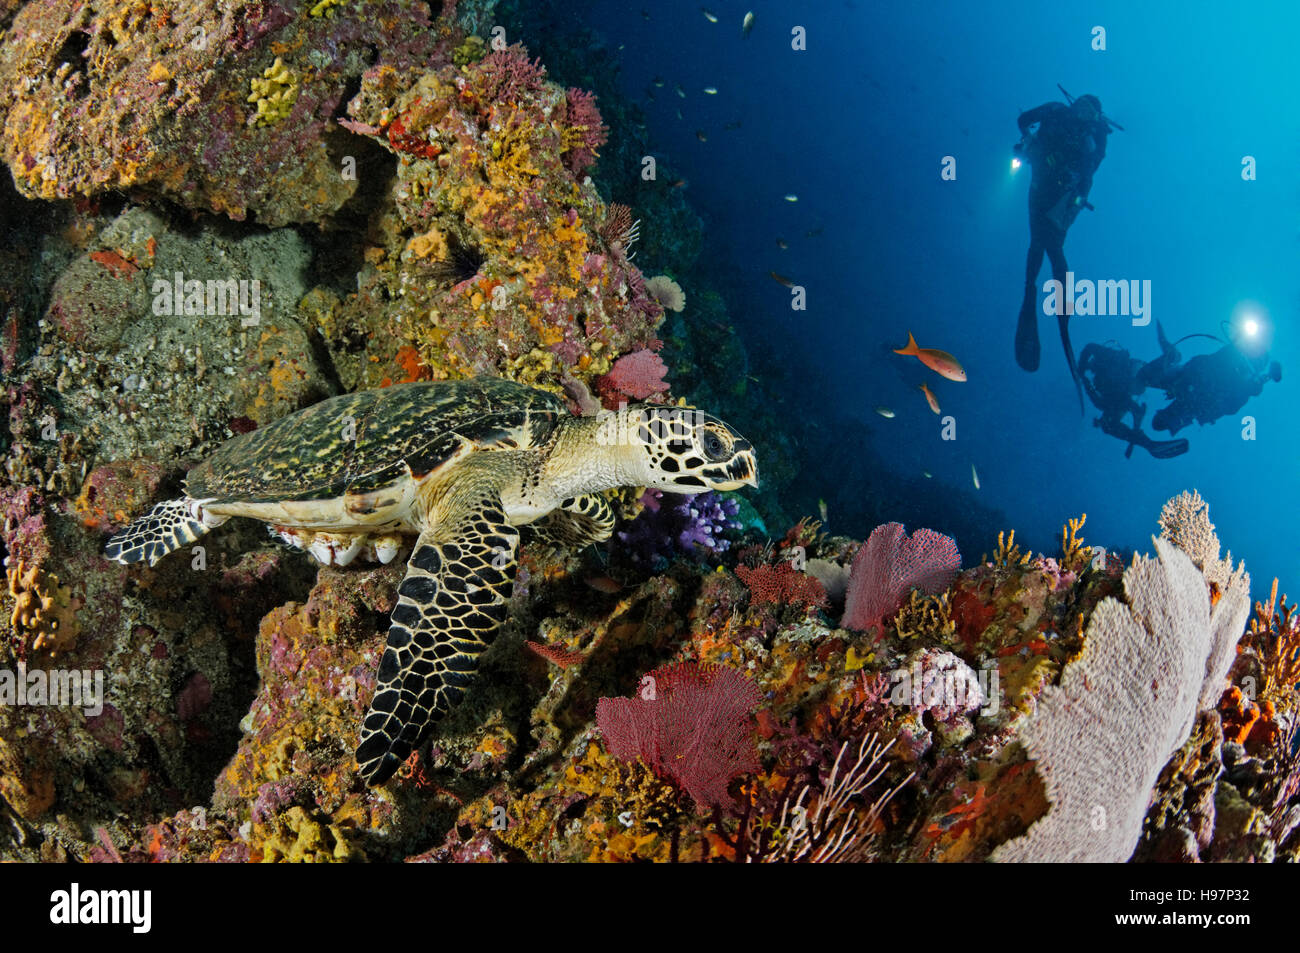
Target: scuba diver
{"x":1208,"y":386}
{"x":1113,"y":380}
{"x":1204,"y":389}
{"x":1065,"y":151}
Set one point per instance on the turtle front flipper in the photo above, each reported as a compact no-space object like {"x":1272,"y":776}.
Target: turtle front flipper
{"x":580,"y":521}
{"x":449,"y":608}
{"x":165,"y":528}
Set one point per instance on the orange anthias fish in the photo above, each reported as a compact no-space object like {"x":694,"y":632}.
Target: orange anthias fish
{"x":782,"y":279}
{"x":930,"y":398}
{"x":941,"y":362}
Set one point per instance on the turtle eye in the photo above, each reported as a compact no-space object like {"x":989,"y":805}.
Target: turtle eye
{"x":713,"y":446}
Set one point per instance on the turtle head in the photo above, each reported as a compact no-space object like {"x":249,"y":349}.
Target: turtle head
{"x":683,"y":450}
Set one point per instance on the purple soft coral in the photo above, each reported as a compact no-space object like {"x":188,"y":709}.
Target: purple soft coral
{"x":694,"y":526}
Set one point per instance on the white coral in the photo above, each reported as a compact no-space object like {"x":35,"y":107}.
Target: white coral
{"x":1129,"y":700}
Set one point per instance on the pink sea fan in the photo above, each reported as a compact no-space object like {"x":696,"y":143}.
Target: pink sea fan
{"x":585,"y":117}
{"x":690,"y":724}
{"x":890,"y":564}
{"x":637,"y":375}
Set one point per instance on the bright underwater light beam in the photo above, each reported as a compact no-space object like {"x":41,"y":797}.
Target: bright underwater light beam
{"x":1251,"y":328}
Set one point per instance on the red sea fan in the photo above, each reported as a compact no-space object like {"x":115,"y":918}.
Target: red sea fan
{"x":890,"y":564}
{"x":690,"y":724}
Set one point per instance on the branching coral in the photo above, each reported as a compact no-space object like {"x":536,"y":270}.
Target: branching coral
{"x":1275,"y":634}
{"x":926,"y":617}
{"x":1075,"y":556}
{"x":694,"y":526}
{"x":1008,"y":554}
{"x":507,"y":75}
{"x":837,"y":823}
{"x":585,"y":133}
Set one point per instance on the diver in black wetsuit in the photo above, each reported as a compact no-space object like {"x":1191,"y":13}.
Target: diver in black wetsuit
{"x":1204,"y":389}
{"x":1210,"y":386}
{"x":1112,"y":380}
{"x":1065,"y":151}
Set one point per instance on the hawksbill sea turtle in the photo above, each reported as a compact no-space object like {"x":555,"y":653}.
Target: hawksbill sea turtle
{"x":462,"y":466}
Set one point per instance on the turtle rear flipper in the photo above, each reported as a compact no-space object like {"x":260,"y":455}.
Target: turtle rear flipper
{"x":449,"y":608}
{"x":165,"y":528}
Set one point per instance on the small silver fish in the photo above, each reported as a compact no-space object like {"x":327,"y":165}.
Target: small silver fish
{"x":709,"y":15}
{"x":792,"y":197}
{"x":927,"y":474}
{"x":885,"y":412}
{"x":822,"y":511}
{"x":677,"y":88}
{"x":747,"y":24}
{"x":710,"y":90}
{"x":974,"y":476}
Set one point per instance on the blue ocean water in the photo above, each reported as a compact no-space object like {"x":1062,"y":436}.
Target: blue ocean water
{"x":857,"y":126}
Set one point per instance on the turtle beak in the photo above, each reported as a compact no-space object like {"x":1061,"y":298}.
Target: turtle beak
{"x":741,"y":471}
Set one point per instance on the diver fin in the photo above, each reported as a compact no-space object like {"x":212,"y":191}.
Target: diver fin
{"x":1064,"y":321}
{"x":1027,"y":348}
{"x":1165,"y":449}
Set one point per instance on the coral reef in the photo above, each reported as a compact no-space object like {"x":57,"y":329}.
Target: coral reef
{"x":815,"y":698}
{"x":130,"y":100}
{"x":491,"y":156}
